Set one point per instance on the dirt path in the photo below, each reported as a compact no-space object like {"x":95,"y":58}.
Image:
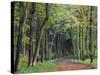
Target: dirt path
{"x":67,"y":64}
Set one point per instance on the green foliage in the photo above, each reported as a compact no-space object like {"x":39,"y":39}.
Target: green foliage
{"x":54,"y":31}
{"x":45,"y":66}
{"x":87,"y":61}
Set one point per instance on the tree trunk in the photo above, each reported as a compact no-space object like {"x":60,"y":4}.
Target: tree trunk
{"x":26,"y":15}
{"x":19,"y":43}
{"x":32,"y":11}
{"x":39,"y":34}
{"x":90,"y":30}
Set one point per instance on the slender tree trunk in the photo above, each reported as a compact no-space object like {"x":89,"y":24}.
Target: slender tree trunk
{"x":26,"y":15}
{"x":43,"y":49}
{"x":79,"y":45}
{"x":19,"y":43}
{"x":45,"y":46}
{"x":77,"y":42}
{"x":39,"y":36}
{"x":56,"y":44}
{"x":32,"y":11}
{"x":90,"y":30}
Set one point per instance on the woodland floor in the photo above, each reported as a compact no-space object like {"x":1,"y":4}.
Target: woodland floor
{"x":56,"y":65}
{"x":68,"y":64}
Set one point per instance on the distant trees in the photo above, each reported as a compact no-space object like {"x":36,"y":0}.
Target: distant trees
{"x":45,"y":31}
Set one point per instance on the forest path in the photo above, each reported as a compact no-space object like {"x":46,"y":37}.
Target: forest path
{"x":68,"y":64}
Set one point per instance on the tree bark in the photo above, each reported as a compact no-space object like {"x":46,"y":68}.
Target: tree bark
{"x":90,"y":30}
{"x":19,"y":43}
{"x":39,"y":36}
{"x":32,"y":11}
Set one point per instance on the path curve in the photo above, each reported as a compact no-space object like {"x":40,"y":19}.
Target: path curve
{"x":67,"y":64}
